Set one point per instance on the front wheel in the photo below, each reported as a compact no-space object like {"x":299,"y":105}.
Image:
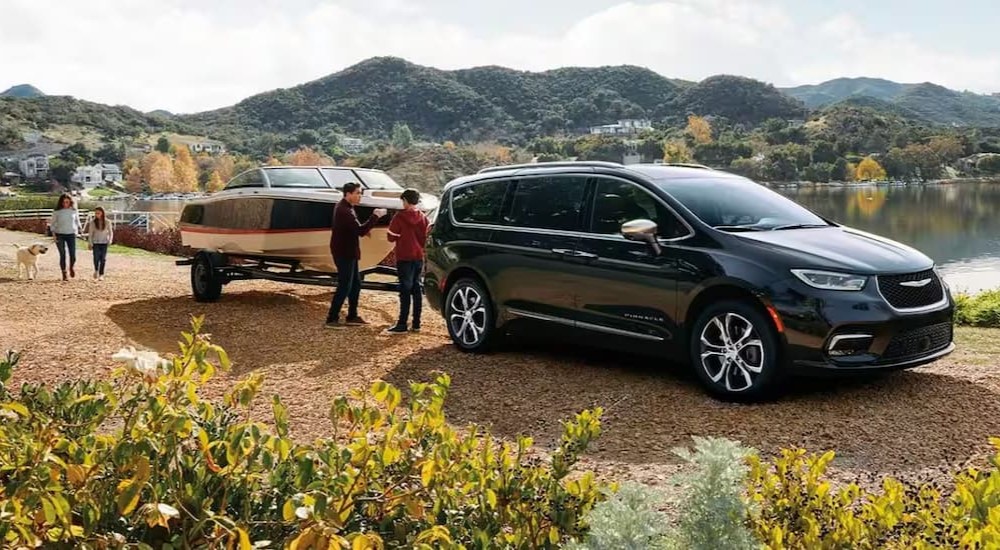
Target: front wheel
{"x":469,"y":314}
{"x":735,"y":352}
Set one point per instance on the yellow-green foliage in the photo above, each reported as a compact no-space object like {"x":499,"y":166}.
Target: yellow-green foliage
{"x":146,"y":460}
{"x":794,"y":507}
{"x":979,"y":310}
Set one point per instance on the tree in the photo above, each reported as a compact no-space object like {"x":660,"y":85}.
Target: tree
{"x":77,"y":154}
{"x":272,"y":161}
{"x":308,"y":138}
{"x":870,"y":169}
{"x":818,"y":172}
{"x":133,"y":180}
{"x":185,"y":171}
{"x":61,"y":170}
{"x":675,"y":150}
{"x":989,"y":164}
{"x":111,"y":153}
{"x":840,"y":170}
{"x":402,"y":137}
{"x":161,"y":173}
{"x":163,"y":145}
{"x":699,"y":129}
{"x":215,"y":182}
{"x":307,"y":157}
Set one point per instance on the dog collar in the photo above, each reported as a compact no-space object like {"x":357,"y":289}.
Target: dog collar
{"x":31,"y":251}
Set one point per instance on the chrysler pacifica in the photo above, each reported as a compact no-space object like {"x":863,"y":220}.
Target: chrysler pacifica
{"x":682,"y":261}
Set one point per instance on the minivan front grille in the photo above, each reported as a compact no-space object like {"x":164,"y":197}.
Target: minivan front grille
{"x":913,"y":290}
{"x":919,"y":341}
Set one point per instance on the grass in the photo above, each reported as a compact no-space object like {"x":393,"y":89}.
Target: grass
{"x":979,"y":310}
{"x":35,"y":201}
{"x":102,"y":192}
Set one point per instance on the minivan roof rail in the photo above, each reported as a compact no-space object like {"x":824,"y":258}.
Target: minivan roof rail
{"x":558,"y":164}
{"x":686,"y":165}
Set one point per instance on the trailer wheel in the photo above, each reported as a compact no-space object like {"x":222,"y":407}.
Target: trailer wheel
{"x":205,"y":284}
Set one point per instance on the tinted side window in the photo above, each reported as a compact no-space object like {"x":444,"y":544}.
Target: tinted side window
{"x":548,"y":203}
{"x":193,"y":214}
{"x":253,"y":178}
{"x":479,"y":203}
{"x":617,"y":202}
{"x":289,"y":214}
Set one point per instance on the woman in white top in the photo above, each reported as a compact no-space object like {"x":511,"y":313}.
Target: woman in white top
{"x":100,"y":235}
{"x":65,"y":226}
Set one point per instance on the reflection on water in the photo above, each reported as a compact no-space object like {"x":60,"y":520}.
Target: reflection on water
{"x":957,"y":225}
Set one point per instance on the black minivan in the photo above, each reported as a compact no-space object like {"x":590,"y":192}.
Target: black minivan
{"x":682,"y":261}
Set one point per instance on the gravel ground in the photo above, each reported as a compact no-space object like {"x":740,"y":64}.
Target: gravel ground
{"x":914,"y":424}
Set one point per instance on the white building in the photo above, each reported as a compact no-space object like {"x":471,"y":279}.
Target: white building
{"x":208,"y":146}
{"x":111,"y":173}
{"x":629,"y":126}
{"x":34,"y":167}
{"x":88,"y":176}
{"x":352,"y":145}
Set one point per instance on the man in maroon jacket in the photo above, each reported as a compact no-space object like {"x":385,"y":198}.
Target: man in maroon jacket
{"x":408,"y":230}
{"x":345,"y":246}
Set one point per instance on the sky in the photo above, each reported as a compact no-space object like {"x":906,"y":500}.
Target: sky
{"x":194,"y":55}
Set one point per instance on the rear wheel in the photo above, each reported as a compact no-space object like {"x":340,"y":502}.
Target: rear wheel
{"x":205,"y":285}
{"x":735,"y":352}
{"x":469,"y":314}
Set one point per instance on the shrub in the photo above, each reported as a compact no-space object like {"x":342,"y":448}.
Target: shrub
{"x":713,"y":509}
{"x":164,"y":241}
{"x":144,"y":459}
{"x":628,"y":520}
{"x":795,"y":507}
{"x":980,"y":310}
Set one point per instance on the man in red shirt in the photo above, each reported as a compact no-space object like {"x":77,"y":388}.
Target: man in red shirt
{"x":408,"y":229}
{"x":345,"y":246}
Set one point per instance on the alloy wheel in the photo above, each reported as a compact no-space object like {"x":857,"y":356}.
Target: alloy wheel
{"x":732,"y":352}
{"x":468,"y":315}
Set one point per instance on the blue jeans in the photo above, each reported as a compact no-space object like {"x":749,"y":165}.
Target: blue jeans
{"x":100,"y":257}
{"x":410,"y":289}
{"x":348,"y":288}
{"x":66,"y":243}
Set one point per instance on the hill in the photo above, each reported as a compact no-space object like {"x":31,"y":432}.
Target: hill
{"x":927,"y":102}
{"x":488,"y":103}
{"x":22,"y":90}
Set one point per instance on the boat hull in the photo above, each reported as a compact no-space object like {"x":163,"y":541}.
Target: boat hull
{"x":309,"y":247}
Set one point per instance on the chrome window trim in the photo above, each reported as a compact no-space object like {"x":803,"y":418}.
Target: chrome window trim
{"x":559,"y":232}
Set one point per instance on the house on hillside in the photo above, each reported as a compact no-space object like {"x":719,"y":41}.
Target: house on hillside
{"x":98,"y":174}
{"x":351,"y":145}
{"x":625,"y":127}
{"x":111,"y":173}
{"x":207,"y":146}
{"x":34,"y":167}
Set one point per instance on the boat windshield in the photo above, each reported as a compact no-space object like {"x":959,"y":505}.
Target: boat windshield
{"x":296,"y":177}
{"x":377,"y":180}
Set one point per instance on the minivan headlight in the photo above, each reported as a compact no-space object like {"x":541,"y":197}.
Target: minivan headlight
{"x":829,"y":280}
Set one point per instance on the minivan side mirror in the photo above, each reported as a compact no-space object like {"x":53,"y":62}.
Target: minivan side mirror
{"x":641,"y":230}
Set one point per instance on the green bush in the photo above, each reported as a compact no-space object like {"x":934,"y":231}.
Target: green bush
{"x":979,"y":310}
{"x":144,"y":460}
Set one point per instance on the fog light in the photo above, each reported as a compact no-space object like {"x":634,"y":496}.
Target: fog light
{"x":846,"y":345}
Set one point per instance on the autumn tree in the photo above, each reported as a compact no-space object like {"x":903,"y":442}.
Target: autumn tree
{"x":133,"y":180}
{"x":215,"y":182}
{"x":306,"y":156}
{"x":699,"y":129}
{"x":272,"y":161}
{"x":676,"y":151}
{"x":225,"y":166}
{"x":161,"y":174}
{"x":185,"y":171}
{"x":870,"y":169}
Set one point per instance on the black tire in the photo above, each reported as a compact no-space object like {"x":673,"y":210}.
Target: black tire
{"x":749,"y":373}
{"x":474,"y":331}
{"x":205,"y":284}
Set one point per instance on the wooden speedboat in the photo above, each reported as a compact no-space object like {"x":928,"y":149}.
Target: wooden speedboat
{"x":286,"y":212}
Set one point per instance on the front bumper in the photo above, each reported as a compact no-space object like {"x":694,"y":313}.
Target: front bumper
{"x":816,"y":320}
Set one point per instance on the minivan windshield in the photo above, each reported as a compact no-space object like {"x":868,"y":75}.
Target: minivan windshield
{"x":738,"y":204}
{"x":378,"y":180}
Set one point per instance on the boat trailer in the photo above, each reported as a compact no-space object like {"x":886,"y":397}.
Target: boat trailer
{"x":210,"y":271}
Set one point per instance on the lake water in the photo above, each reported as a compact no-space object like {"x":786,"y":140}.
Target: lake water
{"x":958,"y":225}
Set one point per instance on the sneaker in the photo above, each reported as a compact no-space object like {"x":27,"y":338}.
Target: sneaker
{"x":100,"y":278}
{"x":72,"y":272}
{"x":397,"y":329}
{"x":335,"y":325}
{"x":95,"y":275}
{"x":65,"y":278}
{"x":355,"y":321}
{"x":415,"y":328}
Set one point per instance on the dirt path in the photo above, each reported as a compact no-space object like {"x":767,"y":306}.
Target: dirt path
{"x":913,"y":424}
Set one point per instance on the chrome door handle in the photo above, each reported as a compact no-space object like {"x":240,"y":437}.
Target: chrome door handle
{"x":585,"y":255}
{"x":563,"y":251}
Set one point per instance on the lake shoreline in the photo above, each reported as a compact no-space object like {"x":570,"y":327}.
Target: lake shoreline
{"x":853,"y":184}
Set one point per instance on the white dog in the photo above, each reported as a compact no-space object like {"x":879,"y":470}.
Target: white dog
{"x":27,"y":256}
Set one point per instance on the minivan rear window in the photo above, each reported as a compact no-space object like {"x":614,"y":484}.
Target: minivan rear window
{"x":548,"y":203}
{"x":479,"y":203}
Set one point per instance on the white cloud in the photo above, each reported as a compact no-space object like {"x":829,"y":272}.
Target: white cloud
{"x":185,"y":56}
